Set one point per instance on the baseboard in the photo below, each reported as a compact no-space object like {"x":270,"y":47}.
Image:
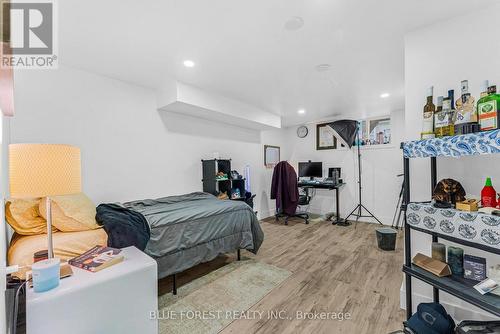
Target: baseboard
{"x":458,"y":312}
{"x":267,"y":214}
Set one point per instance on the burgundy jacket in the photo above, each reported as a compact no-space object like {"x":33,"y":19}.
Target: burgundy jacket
{"x":284,"y":188}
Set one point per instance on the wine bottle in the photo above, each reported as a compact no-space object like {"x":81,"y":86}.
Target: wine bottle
{"x":466,"y":111}
{"x":438,"y":115}
{"x":439,"y":104}
{"x":429,"y":109}
{"x":443,"y":120}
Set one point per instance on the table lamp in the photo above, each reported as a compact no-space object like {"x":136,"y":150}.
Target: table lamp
{"x":44,"y":170}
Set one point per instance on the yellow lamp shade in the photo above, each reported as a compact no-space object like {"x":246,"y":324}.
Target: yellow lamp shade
{"x":39,"y":170}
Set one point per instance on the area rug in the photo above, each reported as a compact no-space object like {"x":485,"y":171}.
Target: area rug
{"x":210,"y":303}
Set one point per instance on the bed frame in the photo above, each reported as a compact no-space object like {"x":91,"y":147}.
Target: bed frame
{"x":174,"y":280}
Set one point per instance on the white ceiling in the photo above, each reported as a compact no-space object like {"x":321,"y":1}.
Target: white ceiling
{"x":242,"y":50}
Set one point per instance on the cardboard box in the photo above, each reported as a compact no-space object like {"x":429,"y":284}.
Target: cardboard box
{"x":468,"y":205}
{"x":436,"y":267}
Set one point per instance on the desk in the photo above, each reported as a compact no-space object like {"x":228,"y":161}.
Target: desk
{"x":327,"y":186}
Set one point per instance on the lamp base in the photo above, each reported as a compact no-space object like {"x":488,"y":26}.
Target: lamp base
{"x":50,"y":246}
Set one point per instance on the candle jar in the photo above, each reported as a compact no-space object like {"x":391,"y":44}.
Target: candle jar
{"x":46,"y":274}
{"x":456,"y":260}
{"x":439,"y":251}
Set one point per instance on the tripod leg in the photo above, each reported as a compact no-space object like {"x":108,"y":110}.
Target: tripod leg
{"x":359,"y":214}
{"x":352,"y":212}
{"x":398,"y":207}
{"x":371,"y":214}
{"x":399,"y":219}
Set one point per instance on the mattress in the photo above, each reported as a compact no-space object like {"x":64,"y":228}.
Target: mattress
{"x":190,"y":229}
{"x":66,"y":245}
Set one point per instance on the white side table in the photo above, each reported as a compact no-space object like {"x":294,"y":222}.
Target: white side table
{"x":117,"y":299}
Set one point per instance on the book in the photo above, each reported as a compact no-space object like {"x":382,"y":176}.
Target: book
{"x":486,"y":286}
{"x":97,"y":258}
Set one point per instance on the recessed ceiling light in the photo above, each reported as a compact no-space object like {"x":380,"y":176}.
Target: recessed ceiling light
{"x":294,"y":23}
{"x":323,"y":67}
{"x":385,"y":95}
{"x":301,"y":111}
{"x":189,"y":63}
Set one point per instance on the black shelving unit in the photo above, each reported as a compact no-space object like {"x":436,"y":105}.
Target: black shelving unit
{"x":214,"y":186}
{"x":456,"y":286}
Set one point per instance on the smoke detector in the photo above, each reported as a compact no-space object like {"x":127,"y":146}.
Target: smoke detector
{"x":323,"y":67}
{"x":294,"y":23}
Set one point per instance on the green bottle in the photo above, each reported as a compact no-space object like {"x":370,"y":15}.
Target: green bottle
{"x":488,"y":110}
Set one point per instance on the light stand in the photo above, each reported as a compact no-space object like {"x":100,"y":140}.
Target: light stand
{"x":346,"y":131}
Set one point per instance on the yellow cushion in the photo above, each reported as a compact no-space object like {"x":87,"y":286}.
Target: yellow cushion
{"x":67,"y":245}
{"x":23,"y":216}
{"x":71,"y":213}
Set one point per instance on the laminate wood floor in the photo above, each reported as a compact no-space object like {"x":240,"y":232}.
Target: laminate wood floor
{"x":334,"y":269}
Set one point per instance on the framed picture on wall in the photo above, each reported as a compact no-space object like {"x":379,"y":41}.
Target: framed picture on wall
{"x":271,"y":156}
{"x":375,"y":131}
{"x":325,"y":140}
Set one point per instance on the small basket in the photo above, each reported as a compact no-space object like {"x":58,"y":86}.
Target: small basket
{"x":386,"y":238}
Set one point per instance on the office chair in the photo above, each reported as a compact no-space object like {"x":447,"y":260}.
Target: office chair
{"x":303,"y":201}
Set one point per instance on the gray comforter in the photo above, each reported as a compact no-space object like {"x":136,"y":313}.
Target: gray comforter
{"x":195,"y":228}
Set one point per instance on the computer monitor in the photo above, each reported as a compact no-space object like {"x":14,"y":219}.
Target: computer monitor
{"x":310,"y":169}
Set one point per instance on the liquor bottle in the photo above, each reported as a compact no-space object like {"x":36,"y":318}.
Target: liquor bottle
{"x":443,"y":120}
{"x":429,"y":109}
{"x":439,"y":104}
{"x":451,"y":96}
{"x":484,"y":91}
{"x":488,"y":110}
{"x":452,"y":112}
{"x":438,"y":114}
{"x":466,"y":111}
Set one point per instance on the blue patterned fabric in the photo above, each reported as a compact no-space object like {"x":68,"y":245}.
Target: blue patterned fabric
{"x":472,"y":226}
{"x":487,"y":142}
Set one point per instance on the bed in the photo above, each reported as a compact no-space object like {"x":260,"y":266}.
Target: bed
{"x":194,"y":228}
{"x":183,"y":231}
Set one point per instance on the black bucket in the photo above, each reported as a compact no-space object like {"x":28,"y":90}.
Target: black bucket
{"x":386,"y":238}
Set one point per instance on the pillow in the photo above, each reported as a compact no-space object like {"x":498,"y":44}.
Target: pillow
{"x":23,"y":216}
{"x":67,"y":245}
{"x":71,"y":213}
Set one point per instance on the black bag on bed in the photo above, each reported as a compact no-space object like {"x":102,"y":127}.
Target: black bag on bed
{"x":125,"y":227}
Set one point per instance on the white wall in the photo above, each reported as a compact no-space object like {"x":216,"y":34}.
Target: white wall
{"x":190,"y":100}
{"x":380,"y":166}
{"x":3,"y":231}
{"x":129,"y":149}
{"x":442,"y":55}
